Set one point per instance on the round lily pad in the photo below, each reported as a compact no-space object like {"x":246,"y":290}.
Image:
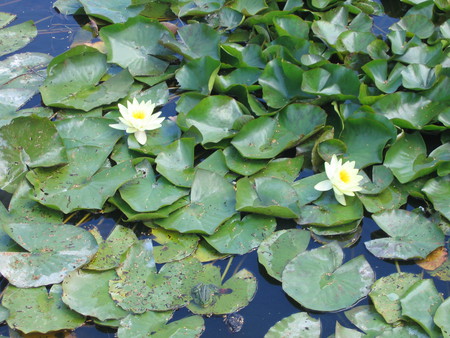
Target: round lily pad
{"x":296,"y":325}
{"x":318,"y":280}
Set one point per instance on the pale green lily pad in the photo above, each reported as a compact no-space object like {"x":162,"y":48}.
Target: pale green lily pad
{"x":192,"y":326}
{"x":282,"y":246}
{"x":112,"y":11}
{"x":438,"y":191}
{"x":20,"y":152}
{"x":266,"y":137}
{"x":344,"y":332}
{"x":212,"y":202}
{"x":87,"y":292}
{"x":406,"y":241}
{"x":241,"y":165}
{"x":176,"y":162}
{"x":248,"y":8}
{"x":54,"y":250}
{"x":140,"y":325}
{"x":4,"y":313}
{"x":391,"y":198}
{"x":296,"y":325}
{"x":146,"y":194}
{"x":239,"y":236}
{"x":173,"y":245}
{"x":268,"y":196}
{"x":206,"y":253}
{"x":381,"y":178}
{"x":39,"y":310}
{"x":420,"y":303}
{"x":317,"y":280}
{"x":135,"y":45}
{"x":367,"y":319}
{"x":387,"y":291}
{"x":215,"y":118}
{"x":441,"y":317}
{"x":198,"y":74}
{"x":73,"y":81}
{"x":16,"y":37}
{"x":110,"y":250}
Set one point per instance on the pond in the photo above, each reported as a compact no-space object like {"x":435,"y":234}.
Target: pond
{"x":346,"y":107}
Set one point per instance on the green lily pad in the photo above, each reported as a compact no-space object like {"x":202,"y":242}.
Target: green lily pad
{"x":112,"y":11}
{"x":418,"y":77}
{"x":110,"y":250}
{"x":39,"y":310}
{"x":420,"y":303}
{"x":283,"y":168}
{"x":393,"y":197}
{"x":146,"y":194}
{"x":381,"y":178}
{"x":328,"y":31}
{"x":215,"y":118}
{"x":87,"y":292}
{"x":4,"y":313}
{"x":407,"y":158}
{"x":198,"y":74}
{"x":282,"y":246}
{"x":54,"y":250}
{"x":406,"y":242}
{"x":73,"y":81}
{"x":199,"y":7}
{"x":387,"y":291}
{"x":266,"y":137}
{"x":296,"y":325}
{"x":173,"y":245}
{"x":213,"y":201}
{"x":20,"y":151}
{"x":247,"y":7}
{"x":195,"y":40}
{"x":215,"y":163}
{"x":176,"y":162}
{"x":16,"y":37}
{"x":305,"y":188}
{"x":344,"y":332}
{"x":140,"y":325}
{"x":354,"y":42}
{"x":268,"y":196}
{"x":417,"y":24}
{"x":441,"y":317}
{"x":377,"y":70}
{"x":239,"y":236}
{"x":241,"y":165}
{"x":245,"y":76}
{"x":317,"y":280}
{"x":437,"y":190}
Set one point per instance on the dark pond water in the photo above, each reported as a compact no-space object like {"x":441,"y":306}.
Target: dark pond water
{"x":56,"y":33}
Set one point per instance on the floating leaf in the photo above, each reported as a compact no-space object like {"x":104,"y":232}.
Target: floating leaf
{"x":418,"y":77}
{"x":40,"y":147}
{"x":198,"y":74}
{"x":434,"y":260}
{"x":173,"y":245}
{"x":87,"y":292}
{"x":406,"y":241}
{"x":239,"y":236}
{"x":54,"y":250}
{"x":192,"y":326}
{"x":317,"y":280}
{"x":344,"y":332}
{"x":377,"y":70}
{"x":139,"y":326}
{"x":284,"y":168}
{"x":212,"y":202}
{"x":437,"y":190}
{"x":381,"y":178}
{"x":296,"y":325}
{"x":16,"y":37}
{"x":241,"y":165}
{"x":305,"y":188}
{"x":39,"y":310}
{"x":441,"y":317}
{"x":391,"y":198}
{"x":282,"y":246}
{"x":387,"y":291}
{"x":112,"y":11}
{"x":248,"y":7}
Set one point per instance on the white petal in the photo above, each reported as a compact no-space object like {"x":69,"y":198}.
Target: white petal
{"x":141,"y":137}
{"x":119,"y":126}
{"x":323,"y":186}
{"x":340,"y":198}
{"x":123,"y":110}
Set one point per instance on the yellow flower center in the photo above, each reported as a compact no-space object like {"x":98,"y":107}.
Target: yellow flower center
{"x":344,"y":176}
{"x":138,"y":114}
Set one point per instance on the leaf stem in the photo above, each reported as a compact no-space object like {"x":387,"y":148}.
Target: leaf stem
{"x":397,"y":266}
{"x":227,"y":268}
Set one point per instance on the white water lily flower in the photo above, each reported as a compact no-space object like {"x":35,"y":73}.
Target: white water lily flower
{"x":137,"y":117}
{"x":342,"y":178}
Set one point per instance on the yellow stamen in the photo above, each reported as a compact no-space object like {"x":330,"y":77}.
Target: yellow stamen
{"x":344,"y":176}
{"x":138,"y":114}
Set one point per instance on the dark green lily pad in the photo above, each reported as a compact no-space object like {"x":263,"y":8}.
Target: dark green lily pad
{"x":54,"y":250}
{"x":39,"y":310}
{"x":282,"y":246}
{"x":377,"y":70}
{"x":110,"y":250}
{"x":438,"y":191}
{"x":239,"y":236}
{"x":198,"y":74}
{"x":420,"y":303}
{"x":16,"y":37}
{"x":215,"y":163}
{"x":146,"y":194}
{"x":20,"y":152}
{"x":173,"y":245}
{"x":317,"y":280}
{"x":241,"y":165}
{"x":406,"y":241}
{"x":213,"y":201}
{"x":87,"y":292}
{"x":299,"y":325}
{"x":284,"y":168}
{"x":387,"y":291}
{"x":268,"y":196}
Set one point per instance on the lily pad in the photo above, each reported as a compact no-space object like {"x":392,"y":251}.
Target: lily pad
{"x":198,"y":74}
{"x":387,"y":291}
{"x":285,"y":168}
{"x":192,"y":326}
{"x":241,"y":165}
{"x":377,"y":70}
{"x":282,"y":246}
{"x":20,"y":151}
{"x":87,"y":292}
{"x":437,"y":190}
{"x":296,"y":325}
{"x":381,"y":178}
{"x":239,"y":236}
{"x":54,"y":250}
{"x":16,"y":37}
{"x":140,"y":325}
{"x":441,"y":317}
{"x":39,"y":310}
{"x":406,"y":241}
{"x":113,"y":11}
{"x":173,"y":245}
{"x":212,"y":202}
{"x":318,"y":280}
{"x":391,"y":198}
